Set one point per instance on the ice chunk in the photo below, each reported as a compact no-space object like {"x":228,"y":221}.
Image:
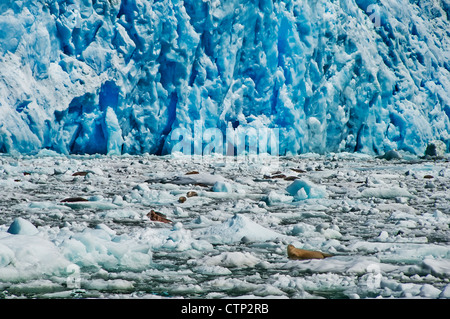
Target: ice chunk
{"x":96,"y":205}
{"x":181,"y":239}
{"x":101,"y":248}
{"x":179,"y":212}
{"x":383,"y":236}
{"x":200,"y":178}
{"x":275,"y":197}
{"x":37,"y":286}
{"x":222,"y":187}
{"x":6,"y":255}
{"x":27,"y":257}
{"x":304,"y":189}
{"x":118,"y":200}
{"x":108,"y":285}
{"x":216,"y":270}
{"x":21,"y":226}
{"x":385,"y":192}
{"x":337,"y":264}
{"x":233,"y":259}
{"x":303,"y":229}
{"x":446,"y":292}
{"x":391,"y":155}
{"x":233,"y":284}
{"x":235,"y":228}
{"x":429,"y":291}
{"x":438,"y":267}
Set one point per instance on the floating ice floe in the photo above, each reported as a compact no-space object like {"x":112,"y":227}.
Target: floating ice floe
{"x":101,"y":248}
{"x":95,"y":205}
{"x":180,"y":239}
{"x":385,"y":192}
{"x":235,"y":229}
{"x":275,"y":197}
{"x":336,"y":264}
{"x":200,"y":178}
{"x":29,"y":257}
{"x":321,"y":231}
{"x":210,"y":270}
{"x":439,"y":267}
{"x":232,"y":259}
{"x":108,"y":285}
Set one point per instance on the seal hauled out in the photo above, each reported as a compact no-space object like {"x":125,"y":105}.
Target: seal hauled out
{"x":191,"y":194}
{"x":74,"y":200}
{"x":296,"y":253}
{"x":158,"y":217}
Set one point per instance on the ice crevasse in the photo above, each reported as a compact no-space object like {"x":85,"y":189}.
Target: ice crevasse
{"x":119,"y":76}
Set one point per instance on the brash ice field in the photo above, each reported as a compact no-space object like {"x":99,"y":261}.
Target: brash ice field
{"x":79,"y":226}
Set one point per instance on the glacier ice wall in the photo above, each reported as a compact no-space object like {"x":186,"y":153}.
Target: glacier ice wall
{"x":118,"y":76}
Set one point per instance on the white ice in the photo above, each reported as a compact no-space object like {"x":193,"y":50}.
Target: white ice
{"x":388,"y":231}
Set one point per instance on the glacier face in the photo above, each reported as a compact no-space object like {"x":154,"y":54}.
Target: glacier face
{"x":119,"y":76}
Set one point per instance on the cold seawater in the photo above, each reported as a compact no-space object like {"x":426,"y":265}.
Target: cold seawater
{"x":385,"y":222}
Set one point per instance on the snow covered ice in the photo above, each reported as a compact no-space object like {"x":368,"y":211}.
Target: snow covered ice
{"x":109,"y":109}
{"x":223,"y":244}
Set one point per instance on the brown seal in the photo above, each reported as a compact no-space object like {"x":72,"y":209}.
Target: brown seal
{"x":296,"y":253}
{"x":182,"y":199}
{"x":158,"y":217}
{"x":191,"y":194}
{"x":74,"y":200}
{"x":80,"y":174}
{"x":275,"y":175}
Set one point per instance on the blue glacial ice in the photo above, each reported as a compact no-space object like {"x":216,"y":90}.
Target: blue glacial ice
{"x":114,"y":77}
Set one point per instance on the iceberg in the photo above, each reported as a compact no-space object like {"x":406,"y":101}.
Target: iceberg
{"x":121,"y":77}
{"x":22,"y":226}
{"x":302,"y":189}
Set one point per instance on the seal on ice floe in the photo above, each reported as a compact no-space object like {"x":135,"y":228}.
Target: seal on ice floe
{"x":297,"y":253}
{"x":74,"y":200}
{"x":191,"y":194}
{"x":80,"y":174}
{"x":158,"y":217}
